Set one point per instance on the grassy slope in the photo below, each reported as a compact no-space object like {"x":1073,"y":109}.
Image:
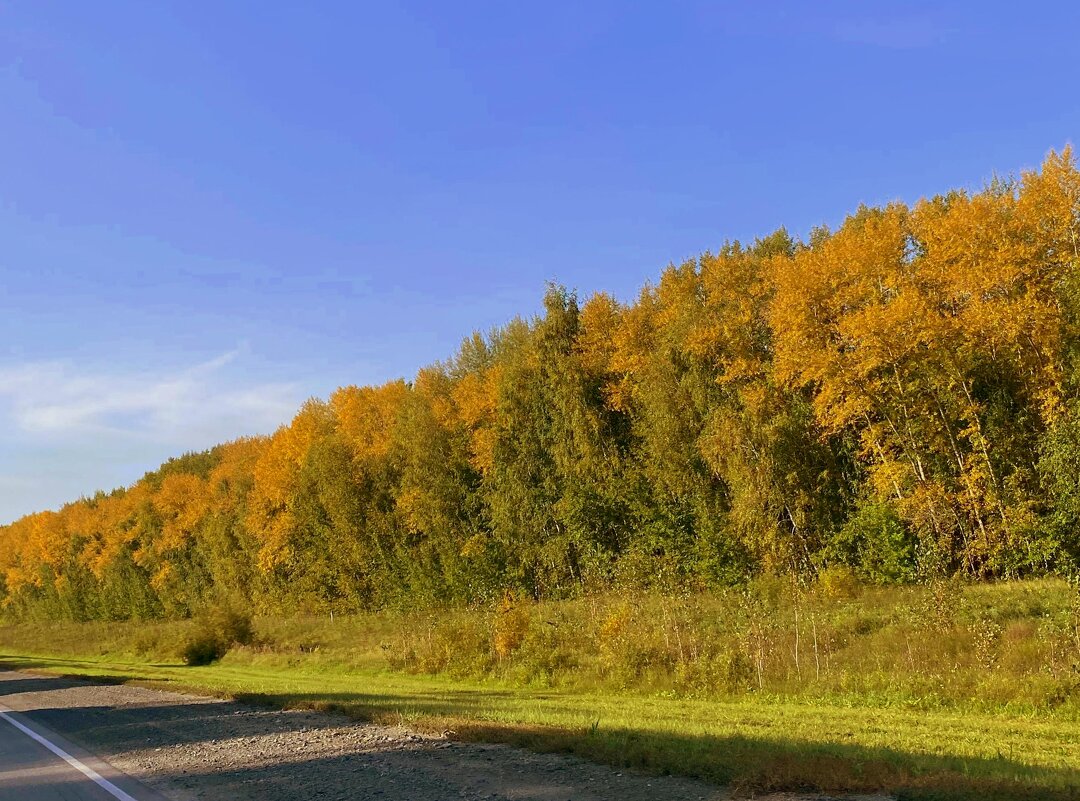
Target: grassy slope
{"x":809,"y":736}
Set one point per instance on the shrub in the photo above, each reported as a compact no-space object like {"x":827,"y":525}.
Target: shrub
{"x":458,"y":643}
{"x":217,"y":628}
{"x":511,"y":626}
{"x":234,"y":625}
{"x":877,"y":545}
{"x":839,"y":581}
{"x":202,"y":649}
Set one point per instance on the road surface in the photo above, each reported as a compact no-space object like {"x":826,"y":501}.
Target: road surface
{"x":163,"y":746}
{"x":37,"y":764}
{"x":67,"y":740}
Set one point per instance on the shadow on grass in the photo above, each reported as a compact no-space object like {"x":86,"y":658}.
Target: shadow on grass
{"x":748,"y":764}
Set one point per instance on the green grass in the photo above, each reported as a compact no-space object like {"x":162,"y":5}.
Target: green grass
{"x":977,"y":709}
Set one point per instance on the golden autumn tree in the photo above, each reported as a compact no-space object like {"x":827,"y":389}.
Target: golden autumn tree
{"x":270,"y":513}
{"x":854,"y":324}
{"x":899,"y":395}
{"x":934,"y":335}
{"x":446,"y":544}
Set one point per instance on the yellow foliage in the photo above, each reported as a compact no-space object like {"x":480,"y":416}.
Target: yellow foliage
{"x":600,"y":318}
{"x":839,"y":581}
{"x":275,"y":473}
{"x":510,"y":626}
{"x":476,"y":396}
{"x":365,"y":416}
{"x":181,"y":502}
{"x":931,"y":338}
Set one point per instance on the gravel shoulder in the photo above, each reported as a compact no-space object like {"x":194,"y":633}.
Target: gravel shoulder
{"x":190,"y":748}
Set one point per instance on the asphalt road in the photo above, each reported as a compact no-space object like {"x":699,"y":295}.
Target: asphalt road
{"x":37,"y":764}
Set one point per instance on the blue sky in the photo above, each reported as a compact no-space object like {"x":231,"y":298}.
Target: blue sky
{"x":210,"y":211}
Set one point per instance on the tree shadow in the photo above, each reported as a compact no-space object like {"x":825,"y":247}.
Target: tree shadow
{"x":748,"y":764}
{"x":30,"y":684}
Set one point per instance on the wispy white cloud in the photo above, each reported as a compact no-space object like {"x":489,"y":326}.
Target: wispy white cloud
{"x":67,"y":431}
{"x":899,"y":32}
{"x":58,"y":398}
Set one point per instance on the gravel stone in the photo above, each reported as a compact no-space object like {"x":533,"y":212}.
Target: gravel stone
{"x":191,"y":748}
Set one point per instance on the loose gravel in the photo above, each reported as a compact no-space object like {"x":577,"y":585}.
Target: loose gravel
{"x":190,"y":748}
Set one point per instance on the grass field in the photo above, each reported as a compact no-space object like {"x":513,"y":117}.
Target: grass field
{"x":854,"y":725}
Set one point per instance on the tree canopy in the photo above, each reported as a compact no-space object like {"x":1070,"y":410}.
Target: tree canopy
{"x":898,"y":396}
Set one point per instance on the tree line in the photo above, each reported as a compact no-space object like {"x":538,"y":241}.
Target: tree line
{"x":897,"y":398}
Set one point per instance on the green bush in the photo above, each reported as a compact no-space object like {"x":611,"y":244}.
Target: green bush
{"x":876,"y":545}
{"x":202,"y":649}
{"x":216,"y":630}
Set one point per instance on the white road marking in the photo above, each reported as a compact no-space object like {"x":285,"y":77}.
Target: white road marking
{"x":89,"y":773}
